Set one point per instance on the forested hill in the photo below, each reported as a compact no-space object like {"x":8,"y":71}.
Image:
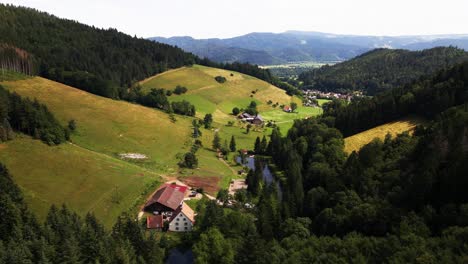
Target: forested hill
{"x":104,"y":62}
{"x":382,"y":69}
{"x":426,"y":97}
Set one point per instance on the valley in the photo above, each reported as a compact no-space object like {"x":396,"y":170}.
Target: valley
{"x":339,"y":148}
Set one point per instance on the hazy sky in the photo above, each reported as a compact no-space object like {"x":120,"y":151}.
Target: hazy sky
{"x":219,"y":18}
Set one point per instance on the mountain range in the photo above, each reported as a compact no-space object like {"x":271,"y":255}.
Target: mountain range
{"x":300,"y":46}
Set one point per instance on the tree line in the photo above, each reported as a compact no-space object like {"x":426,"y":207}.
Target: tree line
{"x":381,"y":69}
{"x":28,"y":117}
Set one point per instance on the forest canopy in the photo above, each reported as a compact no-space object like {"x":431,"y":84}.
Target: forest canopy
{"x":382,"y":69}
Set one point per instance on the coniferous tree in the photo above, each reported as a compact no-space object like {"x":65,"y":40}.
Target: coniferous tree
{"x":216,"y":142}
{"x":232,"y":144}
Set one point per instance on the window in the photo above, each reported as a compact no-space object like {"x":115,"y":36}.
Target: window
{"x":176,"y":224}
{"x":176,"y":228}
{"x":186,"y":228}
{"x":185,"y":223}
{"x":185,"y":219}
{"x":180,"y":215}
{"x":177,"y":219}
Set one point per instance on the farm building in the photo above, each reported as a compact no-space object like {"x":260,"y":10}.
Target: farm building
{"x":287,"y":109}
{"x":167,"y":206}
{"x":155,"y":222}
{"x":166,"y":199}
{"x":253,"y":119}
{"x":182,"y":219}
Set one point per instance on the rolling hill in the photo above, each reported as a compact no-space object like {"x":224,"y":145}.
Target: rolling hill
{"x":209,"y":96}
{"x":382,"y":69}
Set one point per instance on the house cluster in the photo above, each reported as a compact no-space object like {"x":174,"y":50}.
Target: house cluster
{"x":253,"y":119}
{"x":168,"y":210}
{"x":310,"y":96}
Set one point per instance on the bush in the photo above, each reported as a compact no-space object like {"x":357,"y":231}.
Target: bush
{"x":180,"y":90}
{"x":220,"y":79}
{"x":235,"y":111}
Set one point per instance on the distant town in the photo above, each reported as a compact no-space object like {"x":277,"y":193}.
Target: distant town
{"x":311,"y":96}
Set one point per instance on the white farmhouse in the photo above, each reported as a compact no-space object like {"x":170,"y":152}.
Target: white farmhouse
{"x":182,"y":219}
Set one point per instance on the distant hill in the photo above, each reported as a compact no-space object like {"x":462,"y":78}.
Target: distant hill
{"x":382,"y":69}
{"x":104,"y":62}
{"x":209,"y":96}
{"x":300,"y":46}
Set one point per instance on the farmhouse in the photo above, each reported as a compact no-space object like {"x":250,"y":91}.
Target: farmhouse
{"x":167,"y":206}
{"x":287,"y":109}
{"x":166,"y":199}
{"x":253,"y":119}
{"x":182,"y":219}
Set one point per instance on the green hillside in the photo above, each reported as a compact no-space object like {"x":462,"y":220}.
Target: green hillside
{"x":111,"y":127}
{"x":85,"y":180}
{"x":382,"y":69}
{"x":219,"y":99}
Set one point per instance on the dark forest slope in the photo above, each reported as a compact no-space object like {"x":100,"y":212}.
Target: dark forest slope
{"x":97,"y":60}
{"x":382,"y":69}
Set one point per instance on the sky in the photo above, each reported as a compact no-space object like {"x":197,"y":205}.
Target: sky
{"x":222,"y":19}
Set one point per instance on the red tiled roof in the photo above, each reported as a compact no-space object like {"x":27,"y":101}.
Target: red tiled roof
{"x":170,"y":195}
{"x":154,"y":221}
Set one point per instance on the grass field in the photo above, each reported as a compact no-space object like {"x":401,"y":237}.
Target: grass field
{"x":109,"y":126}
{"x":208,"y":95}
{"x":355,"y":142}
{"x":86,"y":181}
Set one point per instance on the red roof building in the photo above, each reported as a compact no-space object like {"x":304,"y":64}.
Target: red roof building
{"x":154,"y":222}
{"x":167,"y":198}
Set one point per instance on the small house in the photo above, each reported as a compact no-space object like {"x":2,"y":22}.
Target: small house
{"x":155,"y":222}
{"x":287,"y":109}
{"x":258,"y":120}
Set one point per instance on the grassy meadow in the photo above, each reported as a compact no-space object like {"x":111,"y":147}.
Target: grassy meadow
{"x":84,"y":180}
{"x":355,"y":142}
{"x":109,"y":126}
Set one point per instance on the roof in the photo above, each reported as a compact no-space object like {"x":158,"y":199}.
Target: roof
{"x":179,"y":188}
{"x":170,"y":195}
{"x":154,"y":221}
{"x":259,"y":117}
{"x":186,"y":210}
{"x":287,"y":108}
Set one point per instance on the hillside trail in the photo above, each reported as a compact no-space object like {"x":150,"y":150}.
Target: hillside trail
{"x":160,"y":74}
{"x":227,"y":165}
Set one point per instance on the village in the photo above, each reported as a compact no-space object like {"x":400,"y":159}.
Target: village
{"x":311,"y":96}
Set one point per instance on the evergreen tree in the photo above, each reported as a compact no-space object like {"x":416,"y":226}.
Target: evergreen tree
{"x":263,"y":145}
{"x":232,"y":144}
{"x":258,"y":146}
{"x":208,"y":120}
{"x":216,"y":142}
